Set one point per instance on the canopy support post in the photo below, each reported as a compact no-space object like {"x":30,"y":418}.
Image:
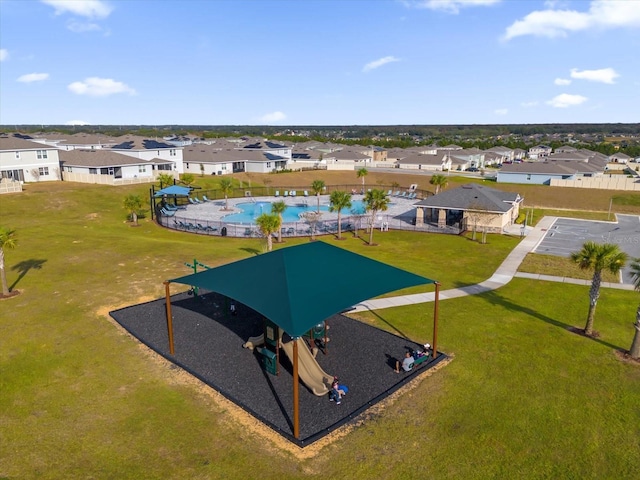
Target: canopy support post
{"x":435,"y":320}
{"x":169,"y":317}
{"x":296,"y":409}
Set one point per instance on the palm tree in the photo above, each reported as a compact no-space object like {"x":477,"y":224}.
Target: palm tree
{"x":165,"y":179}
{"x":133,"y":204}
{"x":598,"y":257}
{"x":268,"y":223}
{"x":8,"y":241}
{"x":439,"y":181}
{"x":337,"y":201}
{"x":318,"y":187}
{"x":278,"y":208}
{"x":361,"y":173}
{"x":226,"y":185}
{"x":375,"y":201}
{"x":634,"y":352}
{"x":187,"y":179}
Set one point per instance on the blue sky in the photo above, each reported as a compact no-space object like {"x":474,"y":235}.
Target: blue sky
{"x":324,"y":62}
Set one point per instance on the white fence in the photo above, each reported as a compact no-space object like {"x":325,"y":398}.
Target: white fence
{"x":10,"y":186}
{"x":613,"y":182}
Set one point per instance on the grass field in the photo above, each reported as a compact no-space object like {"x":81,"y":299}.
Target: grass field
{"x":523,"y":397}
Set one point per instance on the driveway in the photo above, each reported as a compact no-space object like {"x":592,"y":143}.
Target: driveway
{"x":568,"y":235}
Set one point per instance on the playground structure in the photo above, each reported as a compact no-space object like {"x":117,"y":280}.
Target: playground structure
{"x":309,"y":370}
{"x":292,"y":305}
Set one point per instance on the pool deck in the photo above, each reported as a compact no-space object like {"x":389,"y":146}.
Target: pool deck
{"x":209,"y":217}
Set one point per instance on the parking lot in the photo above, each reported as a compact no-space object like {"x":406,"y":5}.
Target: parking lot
{"x":568,"y":235}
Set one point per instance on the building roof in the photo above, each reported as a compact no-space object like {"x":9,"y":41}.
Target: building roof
{"x":13,"y":142}
{"x":424,"y":159}
{"x":558,"y":167}
{"x":472,"y":197}
{"x":102,"y":158}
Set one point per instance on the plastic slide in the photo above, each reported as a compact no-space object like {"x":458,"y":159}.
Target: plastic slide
{"x":254,"y":342}
{"x":309,"y":370}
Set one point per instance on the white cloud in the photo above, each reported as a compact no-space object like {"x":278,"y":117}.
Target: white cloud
{"x":100,"y":87}
{"x":83,"y":8}
{"x":273,"y":117}
{"x":602,"y":14}
{"x":33,"y":77}
{"x":501,"y":111}
{"x":533,"y":103}
{"x":378,"y":63}
{"x":603,"y":75}
{"x":450,"y":6}
{"x":80,"y":27}
{"x":4,"y":54}
{"x":77,"y":122}
{"x":565,"y":100}
{"x":562,"y":81}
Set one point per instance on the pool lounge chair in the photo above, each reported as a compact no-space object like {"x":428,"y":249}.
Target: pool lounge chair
{"x":277,"y":193}
{"x":389,"y":193}
{"x":397,"y":194}
{"x":306,"y":194}
{"x":293,"y":193}
{"x":167,"y":213}
{"x":204,"y":197}
{"x":286,"y":193}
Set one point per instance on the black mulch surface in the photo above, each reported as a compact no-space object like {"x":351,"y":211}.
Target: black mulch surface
{"x":208,"y":344}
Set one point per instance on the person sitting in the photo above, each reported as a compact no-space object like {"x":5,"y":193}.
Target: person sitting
{"x":421,"y":353}
{"x":407,"y":363}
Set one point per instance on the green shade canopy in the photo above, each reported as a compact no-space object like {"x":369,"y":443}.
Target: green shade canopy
{"x":299,"y":287}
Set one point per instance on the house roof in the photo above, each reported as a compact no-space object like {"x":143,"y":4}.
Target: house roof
{"x":102,"y":158}
{"x":558,"y":167}
{"x":279,"y":286}
{"x":13,"y":142}
{"x":472,"y":197}
{"x":424,"y":159}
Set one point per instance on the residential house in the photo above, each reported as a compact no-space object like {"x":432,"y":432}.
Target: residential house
{"x":541,"y":173}
{"x":23,"y":160}
{"x":539,"y":152}
{"x":147,"y":149}
{"x":417,"y":161}
{"x":107,"y":167}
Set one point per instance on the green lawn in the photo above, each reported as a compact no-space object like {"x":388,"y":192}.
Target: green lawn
{"x":523,"y":397}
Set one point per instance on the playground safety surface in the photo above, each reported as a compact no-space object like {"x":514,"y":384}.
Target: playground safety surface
{"x":208,"y":344}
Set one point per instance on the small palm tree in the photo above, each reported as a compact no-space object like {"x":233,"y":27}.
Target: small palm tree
{"x":337,"y":201}
{"x":226,"y":185}
{"x":318,"y":187}
{"x":375,"y":201}
{"x":268,"y":223}
{"x":165,"y":180}
{"x":439,"y":181}
{"x":8,"y":241}
{"x":598,"y":257}
{"x":278,"y":208}
{"x":187,"y":179}
{"x":133,"y":204}
{"x":361,"y":173}
{"x":634,"y":352}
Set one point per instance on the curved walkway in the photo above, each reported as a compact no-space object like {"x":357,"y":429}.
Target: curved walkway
{"x":503,"y":275}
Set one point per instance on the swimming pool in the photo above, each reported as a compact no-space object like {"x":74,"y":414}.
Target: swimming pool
{"x":252,"y":210}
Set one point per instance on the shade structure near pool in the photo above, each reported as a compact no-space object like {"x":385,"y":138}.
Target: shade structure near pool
{"x":298,"y":287}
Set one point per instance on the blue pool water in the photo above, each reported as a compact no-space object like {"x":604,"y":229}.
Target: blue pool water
{"x":251,"y":211}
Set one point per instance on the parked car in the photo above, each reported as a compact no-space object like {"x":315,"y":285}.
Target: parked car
{"x":473,"y":169}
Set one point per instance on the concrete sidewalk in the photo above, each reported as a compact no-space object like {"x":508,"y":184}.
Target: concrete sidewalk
{"x":503,"y":275}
